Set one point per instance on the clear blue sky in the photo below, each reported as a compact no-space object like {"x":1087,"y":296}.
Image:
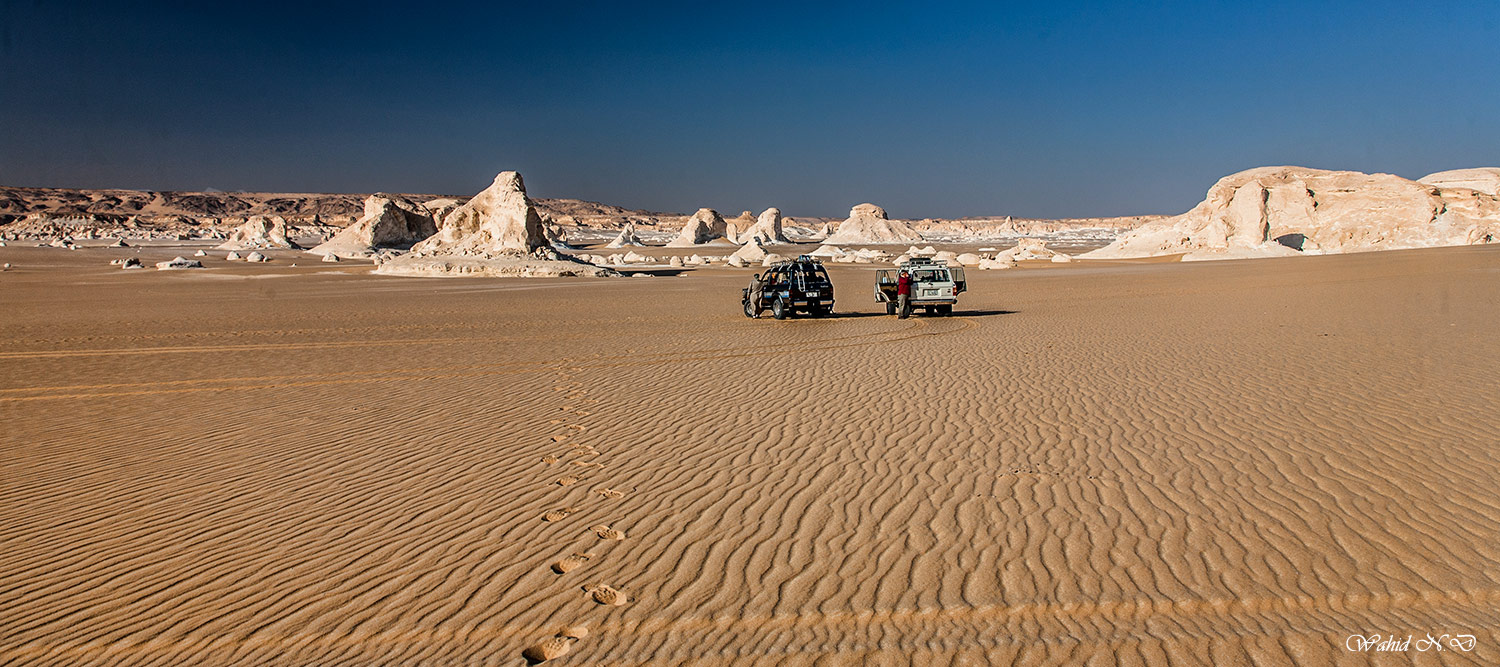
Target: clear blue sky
{"x":1046,"y":109}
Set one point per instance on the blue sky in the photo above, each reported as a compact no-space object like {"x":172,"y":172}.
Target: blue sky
{"x":1048,"y":109}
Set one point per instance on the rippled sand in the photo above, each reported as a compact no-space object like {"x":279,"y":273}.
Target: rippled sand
{"x":1215,"y":463}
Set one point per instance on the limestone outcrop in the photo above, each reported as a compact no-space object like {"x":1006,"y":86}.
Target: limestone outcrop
{"x":261,"y":231}
{"x":627,"y":238}
{"x":767,"y":229}
{"x":1284,"y":211}
{"x":497,"y":233}
{"x":868,"y":223}
{"x":705,"y":226}
{"x":389,"y":221}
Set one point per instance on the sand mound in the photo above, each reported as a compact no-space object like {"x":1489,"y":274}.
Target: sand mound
{"x":868,"y":223}
{"x":261,"y":231}
{"x":703,"y":227}
{"x":497,"y":233}
{"x":389,"y":221}
{"x":626,"y":238}
{"x":1274,"y":211}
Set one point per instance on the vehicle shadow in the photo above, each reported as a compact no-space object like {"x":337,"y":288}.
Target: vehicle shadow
{"x":981,"y":313}
{"x":956,"y":313}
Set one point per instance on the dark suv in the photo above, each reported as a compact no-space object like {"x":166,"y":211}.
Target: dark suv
{"x":789,"y":287}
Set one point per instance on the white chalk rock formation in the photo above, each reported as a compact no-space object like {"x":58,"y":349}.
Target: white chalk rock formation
{"x":969,"y":259}
{"x":389,"y":221}
{"x":232,"y":256}
{"x":260,"y":231}
{"x":705,"y":226}
{"x":330,"y":257}
{"x":868,"y":223}
{"x":1281,"y":211}
{"x":767,"y":229}
{"x":626,"y":238}
{"x":772,"y":258}
{"x":1027,"y":249}
{"x":497,"y":233}
{"x":995,"y":264}
{"x":1481,"y":179}
{"x":256,"y":257}
{"x":173,"y":264}
{"x":131,"y":263}
{"x":750,"y":253}
{"x":829,"y":251}
{"x":200,"y":253}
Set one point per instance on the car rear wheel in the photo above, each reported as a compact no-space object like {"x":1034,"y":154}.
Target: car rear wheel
{"x":890,"y":307}
{"x":750,"y":311}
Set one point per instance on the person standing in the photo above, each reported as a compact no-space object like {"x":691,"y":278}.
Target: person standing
{"x":903,"y":295}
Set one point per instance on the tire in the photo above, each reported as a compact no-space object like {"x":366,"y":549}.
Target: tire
{"x":945,"y":310}
{"x":750,"y":310}
{"x":779,"y":309}
{"x":890,"y":307}
{"x":906,"y":312}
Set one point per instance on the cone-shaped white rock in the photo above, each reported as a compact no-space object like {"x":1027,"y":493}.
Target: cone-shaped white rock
{"x":497,"y":233}
{"x":867,"y":223}
{"x":626,"y":238}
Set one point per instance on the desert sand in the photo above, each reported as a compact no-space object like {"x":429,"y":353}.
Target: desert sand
{"x":1092,"y":463}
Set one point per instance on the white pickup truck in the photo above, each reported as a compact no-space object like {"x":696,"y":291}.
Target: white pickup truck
{"x":935,"y":286}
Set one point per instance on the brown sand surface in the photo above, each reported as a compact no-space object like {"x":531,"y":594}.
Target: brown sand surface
{"x":1103,"y":463}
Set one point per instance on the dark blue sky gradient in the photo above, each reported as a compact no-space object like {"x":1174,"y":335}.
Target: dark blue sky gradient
{"x":1047,"y":109}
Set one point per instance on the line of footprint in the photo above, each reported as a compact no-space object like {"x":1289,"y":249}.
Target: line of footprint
{"x":579,"y":469}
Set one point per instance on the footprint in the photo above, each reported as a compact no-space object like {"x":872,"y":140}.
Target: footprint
{"x":559,"y":515}
{"x":577,"y":427}
{"x":560,"y":438}
{"x":571,"y":563}
{"x":586,"y":464}
{"x":606,"y":533}
{"x":550,"y":459}
{"x":583,"y":413}
{"x":607,"y":596}
{"x":548,"y":649}
{"x":567,"y":481}
{"x":555,"y":421}
{"x":610,"y":493}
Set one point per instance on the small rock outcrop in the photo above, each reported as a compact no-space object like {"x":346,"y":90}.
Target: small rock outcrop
{"x":627,"y":238}
{"x":261,"y":231}
{"x":868,"y":223}
{"x":1028,"y":249}
{"x":173,"y":264}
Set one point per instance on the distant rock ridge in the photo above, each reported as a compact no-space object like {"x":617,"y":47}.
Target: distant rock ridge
{"x":1286,"y":211}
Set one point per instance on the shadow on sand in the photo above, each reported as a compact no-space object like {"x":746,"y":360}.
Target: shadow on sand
{"x":956,"y":313}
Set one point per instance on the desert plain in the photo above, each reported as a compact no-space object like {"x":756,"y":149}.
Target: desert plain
{"x":1107,"y":462}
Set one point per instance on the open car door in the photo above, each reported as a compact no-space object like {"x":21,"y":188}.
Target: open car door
{"x":959,"y":285}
